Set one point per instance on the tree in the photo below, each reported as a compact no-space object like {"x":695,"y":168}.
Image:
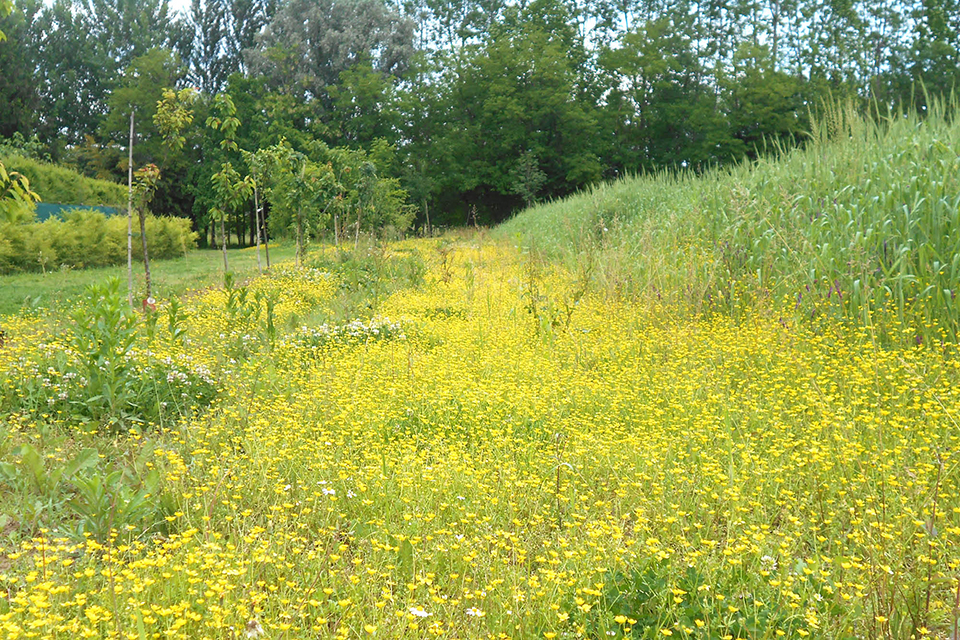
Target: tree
{"x":528,"y":178}
{"x":309,"y":43}
{"x":364,"y":192}
{"x":6,"y":8}
{"x":658,"y":109}
{"x":173,"y":114}
{"x":259,"y":163}
{"x":140,"y":92}
{"x":18,"y":90}
{"x":765,"y":105}
{"x":224,"y":123}
{"x":124,"y":31}
{"x":144,"y":185}
{"x":206,"y":58}
{"x":363,"y":107}
{"x":519,"y":92}
{"x":298,"y":188}
{"x":232,"y":191}
{"x":73,"y":76}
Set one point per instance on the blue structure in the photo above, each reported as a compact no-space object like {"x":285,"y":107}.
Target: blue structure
{"x":48,"y":210}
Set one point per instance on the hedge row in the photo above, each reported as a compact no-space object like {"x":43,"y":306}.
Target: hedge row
{"x":61,"y":185}
{"x":86,"y":238}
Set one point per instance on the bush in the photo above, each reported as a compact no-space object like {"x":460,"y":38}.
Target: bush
{"x":87,"y":238}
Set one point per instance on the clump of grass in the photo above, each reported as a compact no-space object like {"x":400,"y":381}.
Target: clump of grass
{"x":366,"y":276}
{"x":861,"y":223}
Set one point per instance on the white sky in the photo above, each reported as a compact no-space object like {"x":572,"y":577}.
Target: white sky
{"x":179,"y":6}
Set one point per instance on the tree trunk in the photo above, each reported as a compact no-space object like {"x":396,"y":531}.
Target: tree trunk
{"x":238,"y":229}
{"x":299,"y":235}
{"x":256,"y":225}
{"x":130,"y":217}
{"x":223,"y":241}
{"x":426,"y":212}
{"x":143,"y":241}
{"x":252,"y":226}
{"x":336,"y":228}
{"x":266,"y":239}
{"x":356,"y":239}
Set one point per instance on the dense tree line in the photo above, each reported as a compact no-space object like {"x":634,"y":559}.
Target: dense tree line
{"x":468,"y":107}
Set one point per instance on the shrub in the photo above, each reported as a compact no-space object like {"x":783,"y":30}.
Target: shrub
{"x":87,"y":238}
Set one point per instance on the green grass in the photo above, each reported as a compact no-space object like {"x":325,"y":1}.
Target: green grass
{"x":57,"y":290}
{"x":862,"y":223}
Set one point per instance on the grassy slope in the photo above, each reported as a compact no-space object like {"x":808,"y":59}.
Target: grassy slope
{"x":199,"y":269}
{"x":865,"y":217}
{"x":63,"y":185}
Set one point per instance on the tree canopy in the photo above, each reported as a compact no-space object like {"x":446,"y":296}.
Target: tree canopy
{"x":484,"y":105}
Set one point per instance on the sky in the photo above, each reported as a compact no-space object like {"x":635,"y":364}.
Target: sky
{"x":179,"y":6}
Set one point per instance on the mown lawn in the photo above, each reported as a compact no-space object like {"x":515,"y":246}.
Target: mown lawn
{"x":199,"y":269}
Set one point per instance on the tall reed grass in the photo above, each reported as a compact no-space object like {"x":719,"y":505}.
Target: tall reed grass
{"x":861,"y":223}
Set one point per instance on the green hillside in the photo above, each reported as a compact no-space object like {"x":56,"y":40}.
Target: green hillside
{"x":57,"y":184}
{"x":861,"y":223}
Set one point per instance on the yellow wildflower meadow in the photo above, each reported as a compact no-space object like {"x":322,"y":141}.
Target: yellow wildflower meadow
{"x":500,"y":454}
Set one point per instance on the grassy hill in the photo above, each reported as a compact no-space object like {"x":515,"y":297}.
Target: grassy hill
{"x":862,"y":223}
{"x":54,"y":183}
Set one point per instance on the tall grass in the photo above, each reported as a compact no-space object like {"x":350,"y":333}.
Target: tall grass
{"x":862,"y":223}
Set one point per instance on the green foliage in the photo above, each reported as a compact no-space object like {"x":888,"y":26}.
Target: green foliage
{"x":372,"y":270}
{"x":300,"y":192}
{"x":367,"y":199}
{"x":174,"y":114}
{"x":62,"y":185}
{"x":18,"y":145}
{"x":141,"y":92}
{"x":518,"y":94}
{"x":232,"y":190}
{"x":224,"y":120}
{"x":641,"y":595}
{"x":593,"y":89}
{"x":528,"y":178}
{"x":104,"y":331}
{"x":111,"y":501}
{"x":16,"y":198}
{"x":33,"y":471}
{"x":85,"y":496}
{"x":19,"y":92}
{"x":86,"y":238}
{"x":311,"y":42}
{"x":6,"y":8}
{"x":144,"y":184}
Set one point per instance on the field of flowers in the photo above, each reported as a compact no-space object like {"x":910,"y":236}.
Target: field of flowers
{"x":493,"y":451}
